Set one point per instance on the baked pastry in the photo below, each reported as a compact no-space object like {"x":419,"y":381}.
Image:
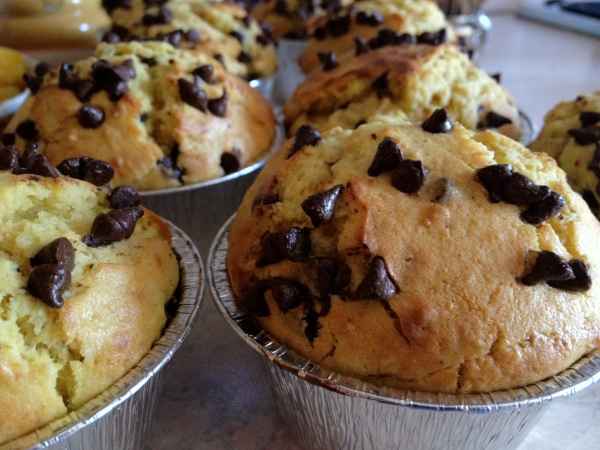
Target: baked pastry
{"x":218,"y":28}
{"x":571,"y":135}
{"x":85,"y":279}
{"x":160,"y":116}
{"x":425,"y":257}
{"x":371,"y":24}
{"x":410,"y":79}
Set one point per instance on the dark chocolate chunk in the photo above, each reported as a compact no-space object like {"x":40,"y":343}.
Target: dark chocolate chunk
{"x":386,"y":37}
{"x":244,"y":57}
{"x":328,"y":61}
{"x":219,"y":58}
{"x":253,"y":300}
{"x":265,"y":199}
{"x":230,"y":162}
{"x":582,"y":281}
{"x":360,"y":46}
{"x":494,"y":120}
{"x":218,"y":106}
{"x":320,"y":33}
{"x":338,"y":26}
{"x":206,"y":72}
{"x":497,"y":76}
{"x":110,"y":37}
{"x":124,"y":197}
{"x":67,"y":76}
{"x":544,"y":210}
{"x":40,"y":165}
{"x":387,"y":158}
{"x":85,"y":168}
{"x":28,"y":156}
{"x":83,"y":90}
{"x":432,"y":38}
{"x":41,"y":69}
{"x":594,"y":164}
{"x":162,"y":17}
{"x":174,"y":38}
{"x":520,"y":190}
{"x":289,"y":294}
{"x":381,"y":85}
{"x":585,"y":136}
{"x":48,"y":282}
{"x":150,"y":62}
{"x":591,"y":200}
{"x":378,"y":283}
{"x":192,"y":94}
{"x":409,"y":176}
{"x":293,"y":244}
{"x":28,"y":130}
{"x":59,"y":251}
{"x":320,"y":207}
{"x":333,"y":277}
{"x":548,"y":266}
{"x":8,"y":138}
{"x":111,"y":5}
{"x":192,"y":36}
{"x":113,"y":78}
{"x":169,"y":167}
{"x":438,"y":122}
{"x":493,"y":178}
{"x":90,"y":116}
{"x":114,"y":226}
{"x":589,"y":118}
{"x":311,"y":317}
{"x":306,"y":135}
{"x":33,"y":83}
{"x":372,"y":19}
{"x":237,"y":35}
{"x":9,"y":158}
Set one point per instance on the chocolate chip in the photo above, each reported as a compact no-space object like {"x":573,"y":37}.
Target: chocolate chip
{"x":169,"y":167}
{"x":219,"y":58}
{"x":265,"y":200}
{"x":237,"y":35}
{"x":386,"y":37}
{"x":381,"y":85}
{"x":339,"y":26}
{"x":582,"y":281}
{"x":497,"y":76}
{"x":409,"y":176}
{"x":85,"y":168}
{"x":48,"y":282}
{"x":230,"y":163}
{"x":589,"y":118}
{"x":372,"y":19}
{"x":162,"y":17}
{"x":174,"y":38}
{"x":8,"y":138}
{"x":360,"y":46}
{"x":585,"y":136}
{"x":206,"y":72}
{"x":41,"y":166}
{"x":591,"y":200}
{"x":378,"y":283}
{"x":84,"y":89}
{"x":124,"y":197}
{"x":320,"y":33}
{"x":311,"y":317}
{"x":28,"y":130}
{"x":493,"y":120}
{"x":59,"y":251}
{"x":594,"y":164}
{"x":548,"y":266}
{"x":41,"y":69}
{"x":90,"y":117}
{"x":328,"y":61}
{"x":192,"y":94}
{"x":111,"y":5}
{"x":493,"y":178}
{"x":306,"y":135}
{"x":27,"y":157}
{"x":218,"y":106}
{"x":9,"y":158}
{"x":320,"y":207}
{"x":387,"y":158}
{"x":110,"y":37}
{"x":253,"y":300}
{"x":442,"y":190}
{"x":67,"y":76}
{"x":114,"y":226}
{"x":293,"y":244}
{"x":544,"y":210}
{"x":113,"y":78}
{"x":244,"y":57}
{"x":289,"y":294}
{"x":33,"y":83}
{"x":192,"y":36}
{"x":333,"y":277}
{"x":438,"y":122}
{"x":520,"y":190}
{"x":432,"y":38}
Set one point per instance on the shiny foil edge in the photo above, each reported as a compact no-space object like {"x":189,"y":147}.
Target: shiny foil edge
{"x":579,"y":376}
{"x":191,"y":295}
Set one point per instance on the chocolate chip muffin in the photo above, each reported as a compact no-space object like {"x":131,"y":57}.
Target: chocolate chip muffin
{"x":85,"y":279}
{"x":420,"y":256}
{"x":218,"y":28}
{"x":291,"y":19}
{"x":413,"y":80}
{"x":373,"y":24}
{"x":160,"y":116}
{"x":571,"y":135}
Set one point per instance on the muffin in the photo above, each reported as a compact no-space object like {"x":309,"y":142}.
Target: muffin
{"x":291,"y":19}
{"x":571,"y":135}
{"x":85,"y":280}
{"x":413,"y":80}
{"x":161,"y":117}
{"x":371,"y":24}
{"x":221,"y":29}
{"x":426,"y":257}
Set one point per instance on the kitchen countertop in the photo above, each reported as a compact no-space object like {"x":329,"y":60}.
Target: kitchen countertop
{"x":215,"y":397}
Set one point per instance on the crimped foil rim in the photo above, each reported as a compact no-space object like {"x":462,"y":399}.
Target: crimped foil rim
{"x":192,"y":289}
{"x":278,"y":141}
{"x":582,"y":374}
{"x":527,"y":128}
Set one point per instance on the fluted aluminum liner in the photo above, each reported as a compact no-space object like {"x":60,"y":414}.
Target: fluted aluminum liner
{"x":329,"y":411}
{"x":264,"y":86}
{"x":120,"y":418}
{"x":201,"y":208}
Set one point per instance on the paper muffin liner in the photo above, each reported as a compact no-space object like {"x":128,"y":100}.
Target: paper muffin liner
{"x":330,"y":411}
{"x":120,"y":418}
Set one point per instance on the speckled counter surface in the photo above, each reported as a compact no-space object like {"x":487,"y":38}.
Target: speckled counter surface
{"x":215,"y":397}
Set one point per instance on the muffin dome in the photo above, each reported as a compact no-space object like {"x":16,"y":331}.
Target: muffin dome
{"x":445,"y":260}
{"x":221,"y":29}
{"x":54,"y":358}
{"x":161,"y":117}
{"x":571,"y":135}
{"x":369,"y":24}
{"x":411,"y":79}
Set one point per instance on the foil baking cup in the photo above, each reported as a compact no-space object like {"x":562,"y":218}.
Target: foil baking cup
{"x":201,"y":208}
{"x":264,"y":86}
{"x":329,"y":411}
{"x":120,"y":418}
{"x":289,"y":75}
